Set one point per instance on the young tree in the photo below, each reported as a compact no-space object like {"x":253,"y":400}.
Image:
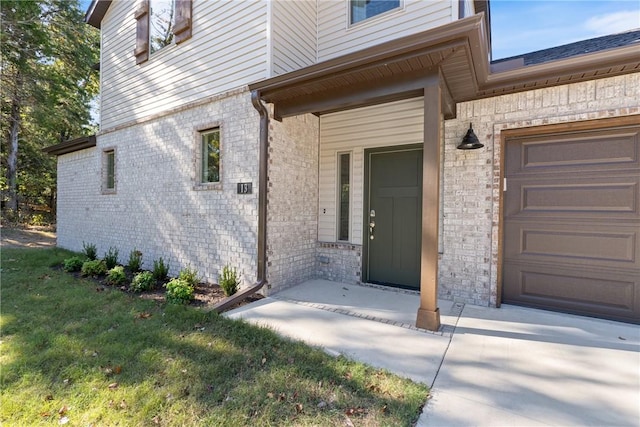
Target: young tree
{"x":47,"y":84}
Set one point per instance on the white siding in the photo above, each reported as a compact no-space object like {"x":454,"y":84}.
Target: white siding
{"x":228,"y":50}
{"x":337,"y":37}
{"x":468,"y":8}
{"x":293,"y":35}
{"x":395,"y":123}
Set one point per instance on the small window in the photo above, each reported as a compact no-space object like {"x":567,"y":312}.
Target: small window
{"x":344,"y":191}
{"x":210,"y":157}
{"x":161,"y":20}
{"x":109,"y":171}
{"x":364,"y":9}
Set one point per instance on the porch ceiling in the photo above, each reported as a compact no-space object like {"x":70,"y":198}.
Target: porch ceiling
{"x":399,"y":69}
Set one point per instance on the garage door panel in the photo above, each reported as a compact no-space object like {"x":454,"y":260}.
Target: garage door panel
{"x":571,"y":221}
{"x":574,"y":290}
{"x":594,"y":150}
{"x":576,"y":197}
{"x":589,"y":244}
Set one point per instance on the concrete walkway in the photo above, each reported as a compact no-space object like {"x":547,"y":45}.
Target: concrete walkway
{"x":487,"y":367}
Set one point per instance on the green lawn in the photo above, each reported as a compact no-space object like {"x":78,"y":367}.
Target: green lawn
{"x":73,"y":354}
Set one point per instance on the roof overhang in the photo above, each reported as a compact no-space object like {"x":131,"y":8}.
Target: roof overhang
{"x":457,"y":52}
{"x":71,"y":145}
{"x":95,"y":13}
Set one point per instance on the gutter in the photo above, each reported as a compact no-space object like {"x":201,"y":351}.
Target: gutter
{"x":261,"y":279}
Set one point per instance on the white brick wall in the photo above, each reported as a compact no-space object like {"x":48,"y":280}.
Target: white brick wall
{"x":157,"y":207}
{"x":292,"y":223}
{"x":157,"y":210}
{"x":469,"y":263}
{"x":339,"y":262}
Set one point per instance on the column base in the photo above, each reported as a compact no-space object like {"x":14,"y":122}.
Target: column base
{"x":428,"y":319}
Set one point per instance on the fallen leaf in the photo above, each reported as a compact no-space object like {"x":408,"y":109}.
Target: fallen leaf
{"x":44,"y":277}
{"x":63,"y":420}
{"x":99,"y":289}
{"x":354,"y":411}
{"x":348,"y":375}
{"x":123,"y":404}
{"x":113,"y":386}
{"x":143,"y":315}
{"x":63,"y":410}
{"x":347,"y":422}
{"x":45,"y":414}
{"x":117,"y":369}
{"x":282,"y":397}
{"x":299,"y":408}
{"x":156,"y":419}
{"x":264,"y":360}
{"x":270,"y":395}
{"x":375,"y":388}
{"x":622,"y":338}
{"x":48,"y":397}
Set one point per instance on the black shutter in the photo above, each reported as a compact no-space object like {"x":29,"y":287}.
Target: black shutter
{"x":142,"y":32}
{"x":182,"y":28}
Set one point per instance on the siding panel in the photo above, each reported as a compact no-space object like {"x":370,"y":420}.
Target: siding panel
{"x":294,"y":35}
{"x":228,"y":50}
{"x":336,"y":37}
{"x":396,"y":123}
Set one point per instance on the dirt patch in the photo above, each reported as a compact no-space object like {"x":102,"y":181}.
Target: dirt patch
{"x":34,"y":237}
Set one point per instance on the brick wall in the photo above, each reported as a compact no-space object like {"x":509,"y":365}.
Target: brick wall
{"x":339,"y":262}
{"x":469,"y":262}
{"x":292,"y":223}
{"x":157,"y":207}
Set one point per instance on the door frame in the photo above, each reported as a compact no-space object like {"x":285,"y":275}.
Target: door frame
{"x":364,"y":274}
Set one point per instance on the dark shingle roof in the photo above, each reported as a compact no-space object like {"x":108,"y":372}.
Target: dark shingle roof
{"x":578,"y":48}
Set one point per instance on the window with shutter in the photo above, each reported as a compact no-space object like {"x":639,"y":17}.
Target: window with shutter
{"x":142,"y":32}
{"x":159,"y":23}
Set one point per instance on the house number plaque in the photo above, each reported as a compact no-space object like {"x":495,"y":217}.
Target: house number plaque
{"x":244,"y":188}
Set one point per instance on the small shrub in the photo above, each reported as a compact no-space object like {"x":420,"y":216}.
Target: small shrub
{"x":38,"y":219}
{"x":116,"y":276}
{"x":229,"y":280}
{"x":111,"y":258}
{"x":135,"y":260}
{"x":90,"y":251}
{"x":190,"y":276}
{"x":143,"y":281}
{"x":179,"y":291}
{"x":160,"y":270}
{"x":94,"y":268}
{"x":73,"y":264}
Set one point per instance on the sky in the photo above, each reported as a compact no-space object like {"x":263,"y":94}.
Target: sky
{"x":522,"y":26}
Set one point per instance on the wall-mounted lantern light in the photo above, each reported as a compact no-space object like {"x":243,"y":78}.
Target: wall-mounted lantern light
{"x":470,"y":141}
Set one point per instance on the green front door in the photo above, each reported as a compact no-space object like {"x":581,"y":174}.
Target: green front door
{"x":393,"y":210}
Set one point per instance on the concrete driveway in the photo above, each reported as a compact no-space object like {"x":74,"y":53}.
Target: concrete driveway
{"x":511,"y":366}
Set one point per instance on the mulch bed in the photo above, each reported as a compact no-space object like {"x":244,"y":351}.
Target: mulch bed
{"x":206,"y":295}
